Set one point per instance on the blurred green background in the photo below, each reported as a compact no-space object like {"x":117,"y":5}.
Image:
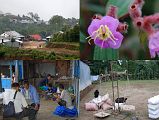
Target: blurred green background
{"x":135,"y":43}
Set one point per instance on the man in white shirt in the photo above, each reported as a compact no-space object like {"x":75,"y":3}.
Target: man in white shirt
{"x":20,"y":103}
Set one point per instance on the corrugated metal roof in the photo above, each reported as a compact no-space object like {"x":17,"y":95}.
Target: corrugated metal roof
{"x":11,"y":34}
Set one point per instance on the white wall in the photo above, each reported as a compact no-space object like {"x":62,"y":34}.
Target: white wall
{"x":85,"y":77}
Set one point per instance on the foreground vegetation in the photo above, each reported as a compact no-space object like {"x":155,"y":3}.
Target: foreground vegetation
{"x":30,"y":54}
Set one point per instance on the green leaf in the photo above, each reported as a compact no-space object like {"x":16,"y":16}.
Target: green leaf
{"x":96,"y":8}
{"x":82,"y":37}
{"x":121,"y":4}
{"x":105,"y":54}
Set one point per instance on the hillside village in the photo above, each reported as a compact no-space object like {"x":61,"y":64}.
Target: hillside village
{"x":58,"y":35}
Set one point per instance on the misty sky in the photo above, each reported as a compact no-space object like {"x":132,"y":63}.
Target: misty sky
{"x":45,"y":8}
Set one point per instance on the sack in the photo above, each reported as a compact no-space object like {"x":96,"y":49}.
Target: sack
{"x":9,"y":109}
{"x":153,"y":107}
{"x":153,"y":112}
{"x":154,"y":100}
{"x":91,"y":107}
{"x":106,"y":106}
{"x":105,"y":97}
{"x":153,"y":116}
{"x":109,"y":102}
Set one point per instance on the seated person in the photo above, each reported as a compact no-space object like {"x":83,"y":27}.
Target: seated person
{"x":32,"y":97}
{"x":65,"y":107}
{"x":45,"y":81}
{"x":50,"y":91}
{"x":65,"y":96}
{"x":97,"y":98}
{"x":99,"y":102}
{"x":20,"y":103}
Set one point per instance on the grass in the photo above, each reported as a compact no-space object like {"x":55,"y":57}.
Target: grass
{"x":131,"y":82}
{"x":66,"y":45}
{"x":16,"y":53}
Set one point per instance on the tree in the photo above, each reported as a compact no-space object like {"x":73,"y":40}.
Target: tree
{"x":31,"y":14}
{"x":36,"y":17}
{"x":57,"y":22}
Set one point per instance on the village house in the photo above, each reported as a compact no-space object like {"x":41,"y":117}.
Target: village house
{"x":36,"y":37}
{"x":26,"y":22}
{"x":12,"y":39}
{"x":48,"y":38}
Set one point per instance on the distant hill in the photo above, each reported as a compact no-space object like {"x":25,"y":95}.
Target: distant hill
{"x":1,"y":13}
{"x":32,"y":24}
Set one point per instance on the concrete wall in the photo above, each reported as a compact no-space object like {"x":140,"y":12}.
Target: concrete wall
{"x":46,"y":68}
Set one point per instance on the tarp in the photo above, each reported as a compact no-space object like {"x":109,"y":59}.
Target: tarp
{"x":85,"y":77}
{"x":65,"y":112}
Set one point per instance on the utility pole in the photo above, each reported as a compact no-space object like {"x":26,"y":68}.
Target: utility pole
{"x":0,"y":80}
{"x":16,"y":70}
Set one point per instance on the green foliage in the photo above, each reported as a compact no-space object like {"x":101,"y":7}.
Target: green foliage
{"x":70,"y":35}
{"x":121,"y":4}
{"x":97,"y":67}
{"x":144,"y":69}
{"x":105,"y":54}
{"x":66,"y":45}
{"x":119,"y":67}
{"x":57,"y":23}
{"x":16,"y":53}
{"x":137,"y":70}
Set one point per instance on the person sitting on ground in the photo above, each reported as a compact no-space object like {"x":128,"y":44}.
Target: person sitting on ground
{"x":51,"y":90}
{"x":45,"y":81}
{"x":65,"y":107}
{"x":97,"y":99}
{"x":99,"y":102}
{"x":31,"y":96}
{"x":65,"y":96}
{"x":20,"y":104}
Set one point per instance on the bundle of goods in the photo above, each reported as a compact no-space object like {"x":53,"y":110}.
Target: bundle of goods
{"x":153,"y":107}
{"x":102,"y":102}
{"x":120,"y":103}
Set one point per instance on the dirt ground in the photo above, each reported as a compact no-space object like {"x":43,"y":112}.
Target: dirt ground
{"x":137,"y":92}
{"x":33,"y":44}
{"x":40,"y":45}
{"x":46,"y":111}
